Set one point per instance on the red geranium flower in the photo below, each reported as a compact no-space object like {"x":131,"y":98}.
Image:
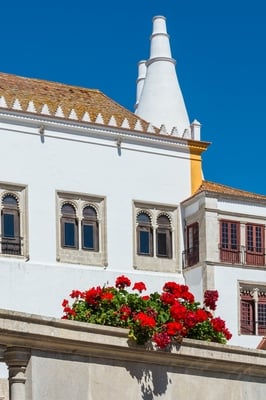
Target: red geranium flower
{"x":125,"y":312}
{"x":93,"y":295}
{"x":161,"y":339}
{"x":121,"y":282}
{"x":140,"y":286}
{"x":145,"y":298}
{"x":178,"y":311}
{"x":145,"y":320}
{"x":210,"y":299}
{"x":173,"y":328}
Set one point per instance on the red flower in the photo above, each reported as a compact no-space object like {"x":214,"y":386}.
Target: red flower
{"x":108,"y":296}
{"x":173,"y":328}
{"x":227,"y":334}
{"x":140,"y":286}
{"x":76,"y":294}
{"x":201,"y":315}
{"x":125,"y":312}
{"x":145,"y":298}
{"x":64,"y":303}
{"x":93,"y":295}
{"x":161,"y":339}
{"x":210,"y":299}
{"x":218,"y":324}
{"x":190,"y":319}
{"x":178,"y":311}
{"x":167,"y":298}
{"x":121,"y":282}
{"x":145,"y":320}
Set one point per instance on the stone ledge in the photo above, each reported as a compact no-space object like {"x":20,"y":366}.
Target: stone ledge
{"x":70,"y":337}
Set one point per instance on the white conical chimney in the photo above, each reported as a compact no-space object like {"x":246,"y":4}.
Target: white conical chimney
{"x":140,"y":81}
{"x":161,"y":101}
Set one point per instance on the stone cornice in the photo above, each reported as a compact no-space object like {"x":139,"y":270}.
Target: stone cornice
{"x":88,"y":129}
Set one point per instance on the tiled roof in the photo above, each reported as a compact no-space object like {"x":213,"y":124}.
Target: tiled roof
{"x":65,"y":101}
{"x":227,"y":190}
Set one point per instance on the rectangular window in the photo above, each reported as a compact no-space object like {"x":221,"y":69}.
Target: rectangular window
{"x":252,"y":310}
{"x":247,"y":322}
{"x":145,"y":242}
{"x":9,"y":226}
{"x":70,"y":234}
{"x":88,"y":237}
{"x":255,"y":244}
{"x":192,"y":250}
{"x":262,"y":317}
{"x":230,"y":242}
{"x":162,"y":244}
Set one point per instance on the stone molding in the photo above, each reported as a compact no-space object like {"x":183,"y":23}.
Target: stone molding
{"x":33,"y":332}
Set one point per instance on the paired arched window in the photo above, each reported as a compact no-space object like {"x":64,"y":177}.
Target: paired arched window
{"x":10,"y":225}
{"x":145,"y":236}
{"x":71,"y":225}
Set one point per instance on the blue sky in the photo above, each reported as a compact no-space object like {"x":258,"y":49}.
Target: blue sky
{"x":221,"y":63}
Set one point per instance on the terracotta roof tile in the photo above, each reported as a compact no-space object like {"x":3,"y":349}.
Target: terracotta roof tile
{"x":52,"y":95}
{"x":227,"y":190}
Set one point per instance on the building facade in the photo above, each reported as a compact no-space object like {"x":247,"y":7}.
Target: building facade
{"x":90,"y":191}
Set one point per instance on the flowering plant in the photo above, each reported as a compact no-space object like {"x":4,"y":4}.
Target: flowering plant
{"x":162,"y":318}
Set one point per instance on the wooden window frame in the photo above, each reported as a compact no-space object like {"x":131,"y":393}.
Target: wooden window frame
{"x":254,"y":250}
{"x":164,"y":229}
{"x":144,"y":227}
{"x":68,"y":218}
{"x":230,"y":249}
{"x":192,"y":251}
{"x":90,"y":221}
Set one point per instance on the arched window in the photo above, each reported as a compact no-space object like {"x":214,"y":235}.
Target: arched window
{"x":69,"y":226}
{"x":10,"y":226}
{"x":90,"y":229}
{"x":164,"y":237}
{"x":144,"y":235}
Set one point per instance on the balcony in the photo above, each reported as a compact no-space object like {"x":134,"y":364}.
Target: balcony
{"x":242,"y":255}
{"x":190,"y":256}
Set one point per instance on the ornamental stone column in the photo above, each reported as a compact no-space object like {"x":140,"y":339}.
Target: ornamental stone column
{"x":17,"y":359}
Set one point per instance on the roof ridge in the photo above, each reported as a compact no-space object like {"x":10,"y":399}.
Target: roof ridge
{"x":210,"y":186}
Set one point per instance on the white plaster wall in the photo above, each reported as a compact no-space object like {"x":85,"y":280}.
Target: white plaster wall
{"x":242,"y":208}
{"x":226,"y":282}
{"x":87,"y":165}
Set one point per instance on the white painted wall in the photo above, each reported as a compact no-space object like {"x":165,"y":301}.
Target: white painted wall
{"x":66,"y":160}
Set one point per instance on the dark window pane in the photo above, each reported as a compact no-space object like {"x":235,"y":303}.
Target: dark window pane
{"x":163,"y":220}
{"x":9,"y":226}
{"x":143,"y":217}
{"x":162,"y":244}
{"x":89,"y":212}
{"x":88,"y":237}
{"x":262,"y":314}
{"x":144,"y":242}
{"x":69,"y":230}
{"x":10,"y":200}
{"x":68,"y":209}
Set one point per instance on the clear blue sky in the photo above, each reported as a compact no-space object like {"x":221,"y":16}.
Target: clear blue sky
{"x":220,"y":48}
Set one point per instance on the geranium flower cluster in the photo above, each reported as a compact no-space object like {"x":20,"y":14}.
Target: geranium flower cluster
{"x":161,"y":318}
